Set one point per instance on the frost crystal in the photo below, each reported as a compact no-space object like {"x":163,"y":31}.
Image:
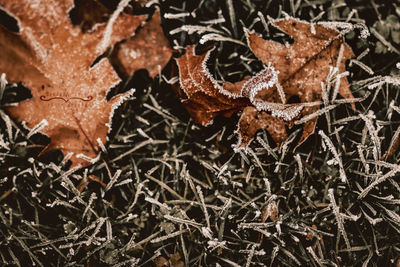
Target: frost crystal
{"x":266,"y":79}
{"x":263,"y":80}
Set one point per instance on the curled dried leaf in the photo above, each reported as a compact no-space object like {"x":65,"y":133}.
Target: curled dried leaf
{"x":203,"y":98}
{"x":291,"y":70}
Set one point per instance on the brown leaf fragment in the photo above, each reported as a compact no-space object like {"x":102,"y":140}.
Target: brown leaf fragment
{"x":174,"y":261}
{"x":83,"y":184}
{"x":53,"y":59}
{"x":160,"y":261}
{"x":394,"y":145}
{"x":310,"y":235}
{"x":149,"y":49}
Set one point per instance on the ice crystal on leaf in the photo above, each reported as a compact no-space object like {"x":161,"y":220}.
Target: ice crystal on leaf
{"x":293,"y":70}
{"x":59,"y":63}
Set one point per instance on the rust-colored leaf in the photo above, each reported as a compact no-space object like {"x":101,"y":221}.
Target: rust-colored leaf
{"x":202,"y":97}
{"x":149,"y":49}
{"x":297,"y":70}
{"x":174,"y":261}
{"x":53,"y":59}
{"x":303,"y":65}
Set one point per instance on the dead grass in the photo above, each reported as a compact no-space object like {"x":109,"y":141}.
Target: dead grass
{"x":167,"y":185}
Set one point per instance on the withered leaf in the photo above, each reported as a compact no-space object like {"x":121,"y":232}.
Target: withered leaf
{"x":174,"y":261}
{"x":303,"y":65}
{"x":292,"y":70}
{"x":53,"y":59}
{"x":148,"y":49}
{"x":203,"y":98}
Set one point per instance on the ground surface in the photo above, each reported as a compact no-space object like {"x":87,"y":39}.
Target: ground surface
{"x":182,"y":189}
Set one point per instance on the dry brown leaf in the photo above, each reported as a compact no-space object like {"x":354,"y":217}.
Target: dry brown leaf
{"x":174,"y":261}
{"x":202,"y":97}
{"x":149,"y":49}
{"x":298,"y":69}
{"x":53,"y":59}
{"x":303,"y":65}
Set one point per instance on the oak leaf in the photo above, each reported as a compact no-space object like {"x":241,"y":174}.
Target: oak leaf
{"x":291,"y":70}
{"x":54,"y":60}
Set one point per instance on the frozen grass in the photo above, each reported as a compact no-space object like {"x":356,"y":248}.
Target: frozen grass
{"x":165,"y":185}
